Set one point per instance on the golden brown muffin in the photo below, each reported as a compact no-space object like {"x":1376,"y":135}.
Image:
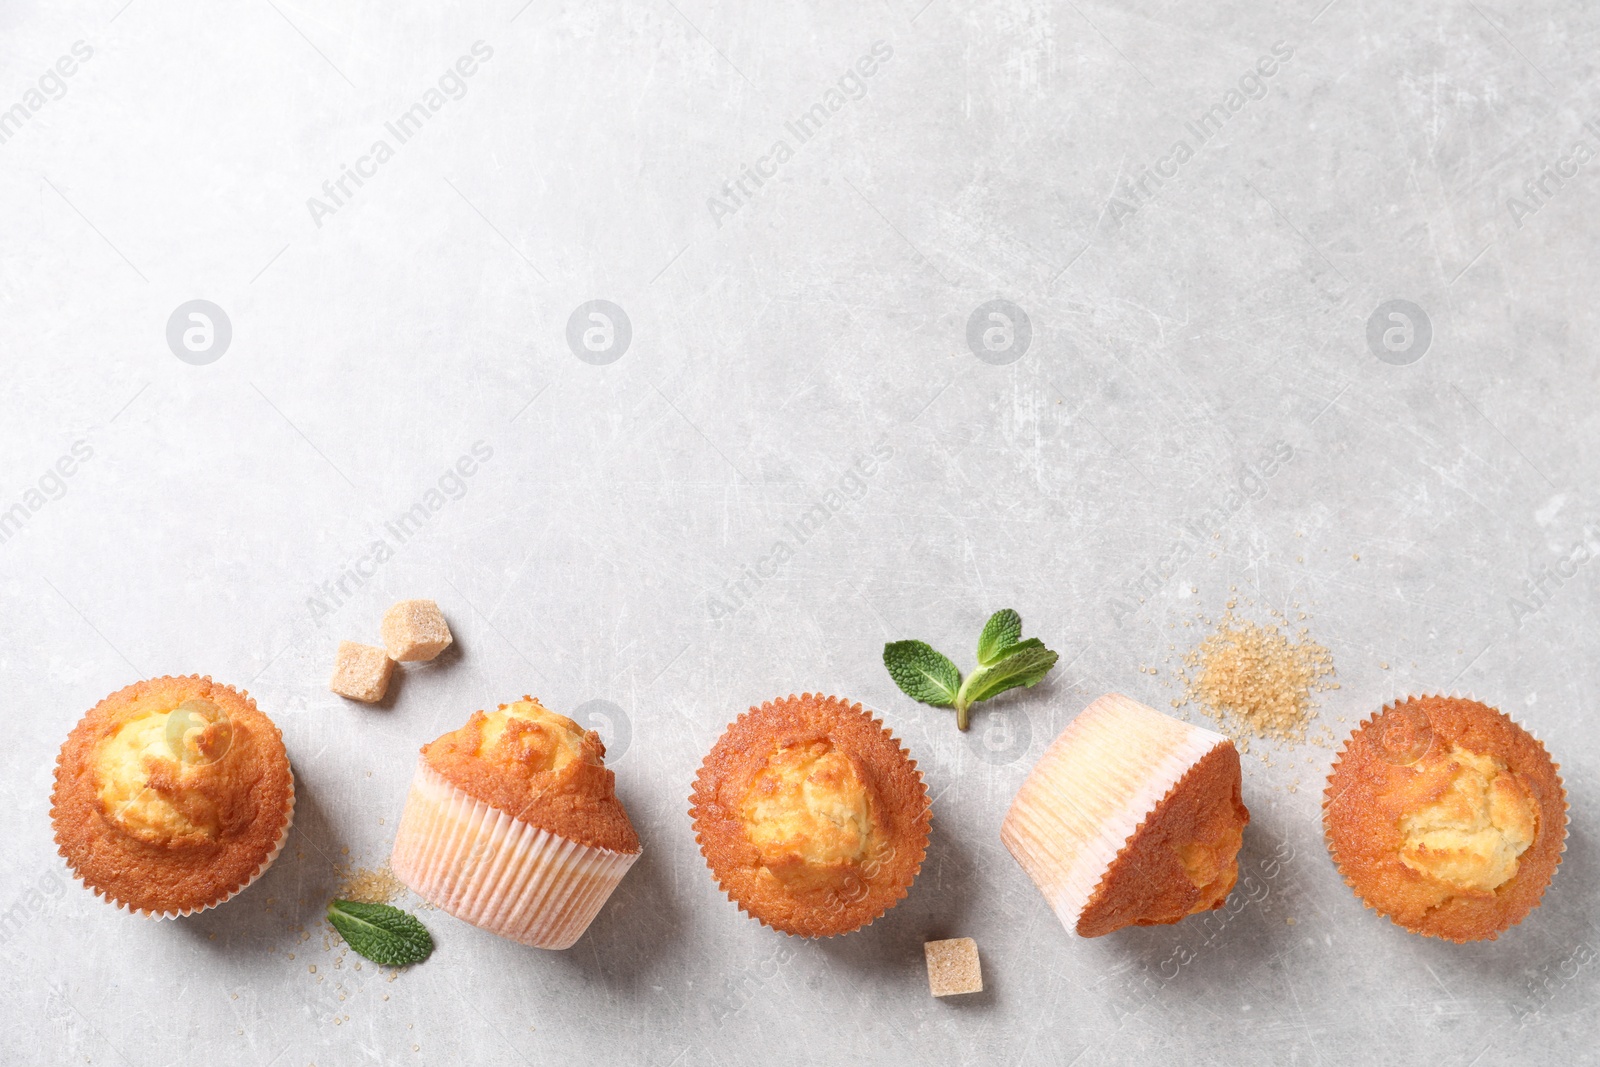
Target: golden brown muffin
{"x":811,"y":816}
{"x":1446,"y":817}
{"x":1130,"y":818}
{"x":172,"y":795}
{"x":513,"y":824}
{"x":541,"y":768}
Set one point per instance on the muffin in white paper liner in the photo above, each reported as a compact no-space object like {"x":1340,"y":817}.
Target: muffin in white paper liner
{"x":1410,"y":847}
{"x":131,"y":764}
{"x":488,"y":868}
{"x":1130,"y":817}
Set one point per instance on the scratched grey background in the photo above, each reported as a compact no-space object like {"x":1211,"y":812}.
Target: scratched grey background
{"x":620,"y":543}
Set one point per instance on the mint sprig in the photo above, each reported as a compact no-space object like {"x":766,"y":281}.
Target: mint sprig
{"x":1005,"y":661}
{"x":381,"y":933}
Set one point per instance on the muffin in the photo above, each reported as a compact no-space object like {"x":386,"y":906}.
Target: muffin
{"x":811,"y":816}
{"x":1446,"y":817}
{"x":171,"y":796}
{"x":513,"y":825}
{"x":1130,"y":818}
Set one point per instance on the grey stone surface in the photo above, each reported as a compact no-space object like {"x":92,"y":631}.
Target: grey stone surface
{"x":1178,"y":329}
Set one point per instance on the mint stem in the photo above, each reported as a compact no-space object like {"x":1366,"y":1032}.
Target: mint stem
{"x":964,"y":699}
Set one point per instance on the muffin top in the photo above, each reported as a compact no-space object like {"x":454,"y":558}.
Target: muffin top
{"x":1446,"y":816}
{"x":539,"y":767}
{"x":170,"y":793}
{"x":811,"y":816}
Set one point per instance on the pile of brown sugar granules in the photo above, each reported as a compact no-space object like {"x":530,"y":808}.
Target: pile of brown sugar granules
{"x":374,"y":885}
{"x":1258,"y":678}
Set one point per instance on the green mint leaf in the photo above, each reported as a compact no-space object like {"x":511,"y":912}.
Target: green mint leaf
{"x":1011,"y":650}
{"x":921,"y":673}
{"x":1027,"y":667}
{"x":381,"y":933}
{"x":1003,"y":630}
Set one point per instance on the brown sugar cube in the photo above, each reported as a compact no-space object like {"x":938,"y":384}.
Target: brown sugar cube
{"x":415,"y":630}
{"x":953,"y":967}
{"x":361,"y":672}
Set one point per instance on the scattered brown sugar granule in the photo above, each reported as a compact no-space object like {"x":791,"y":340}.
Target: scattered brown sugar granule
{"x":375,"y":885}
{"x":1258,"y":678}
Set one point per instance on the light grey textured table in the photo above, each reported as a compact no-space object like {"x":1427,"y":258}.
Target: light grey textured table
{"x":676,"y":524}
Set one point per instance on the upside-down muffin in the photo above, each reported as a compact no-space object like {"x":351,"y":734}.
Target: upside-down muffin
{"x":1130,"y":818}
{"x":172,"y":795}
{"x":811,"y":816}
{"x":513,"y":825}
{"x":1446,"y":817}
